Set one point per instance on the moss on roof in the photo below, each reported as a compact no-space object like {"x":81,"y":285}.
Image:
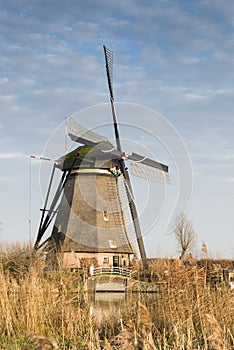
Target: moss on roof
{"x":81,"y":151}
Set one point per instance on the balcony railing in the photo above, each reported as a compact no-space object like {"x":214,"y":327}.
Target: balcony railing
{"x":109,"y":270}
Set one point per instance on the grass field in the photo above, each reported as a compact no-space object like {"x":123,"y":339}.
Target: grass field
{"x":51,"y":310}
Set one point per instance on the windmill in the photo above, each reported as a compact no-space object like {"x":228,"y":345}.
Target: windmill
{"x":90,"y":218}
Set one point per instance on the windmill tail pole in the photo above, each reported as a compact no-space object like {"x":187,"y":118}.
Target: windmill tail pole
{"x":47,"y":196}
{"x":44,"y":223}
{"x":109,"y":72}
{"x":51,"y":212}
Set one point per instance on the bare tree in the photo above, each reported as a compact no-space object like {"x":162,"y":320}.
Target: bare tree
{"x":185,"y":235}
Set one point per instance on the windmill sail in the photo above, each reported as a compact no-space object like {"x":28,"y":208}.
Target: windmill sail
{"x":123,"y":194}
{"x":147,"y":161}
{"x":109,"y":72}
{"x":79,"y":133}
{"x":109,"y":69}
{"x":147,"y":172}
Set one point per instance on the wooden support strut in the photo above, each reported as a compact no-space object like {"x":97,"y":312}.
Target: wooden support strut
{"x":51,"y":212}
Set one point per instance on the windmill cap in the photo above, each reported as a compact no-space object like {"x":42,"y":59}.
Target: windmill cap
{"x":85,"y":157}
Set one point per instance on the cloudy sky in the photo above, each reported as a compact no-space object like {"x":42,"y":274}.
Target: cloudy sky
{"x":175,"y":57}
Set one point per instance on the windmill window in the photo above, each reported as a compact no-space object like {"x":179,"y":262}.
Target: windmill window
{"x":106,"y":215}
{"x":112,"y":243}
{"x":106,"y":260}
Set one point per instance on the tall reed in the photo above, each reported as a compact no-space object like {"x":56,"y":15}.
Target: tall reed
{"x":185,"y":314}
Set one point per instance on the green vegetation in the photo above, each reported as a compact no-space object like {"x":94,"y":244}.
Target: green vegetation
{"x":38,"y":308}
{"x":81,"y":151}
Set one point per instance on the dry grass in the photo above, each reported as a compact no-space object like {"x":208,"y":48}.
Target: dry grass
{"x":51,"y":311}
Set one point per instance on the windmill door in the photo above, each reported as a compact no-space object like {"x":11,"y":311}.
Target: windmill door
{"x":115,"y":261}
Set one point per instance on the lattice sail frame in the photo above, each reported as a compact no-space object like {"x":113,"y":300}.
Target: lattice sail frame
{"x":109,"y":56}
{"x":79,"y":133}
{"x":149,"y":173}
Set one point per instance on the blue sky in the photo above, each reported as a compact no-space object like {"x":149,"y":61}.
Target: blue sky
{"x":174,"y":57}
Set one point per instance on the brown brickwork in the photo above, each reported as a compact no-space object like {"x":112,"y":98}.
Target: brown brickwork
{"x":90,"y":222}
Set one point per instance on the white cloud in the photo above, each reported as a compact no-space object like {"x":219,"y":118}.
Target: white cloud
{"x":192,"y":96}
{"x":10,"y":155}
{"x":2,"y":178}
{"x":7,"y":98}
{"x":228,"y":179}
{"x":3,"y":81}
